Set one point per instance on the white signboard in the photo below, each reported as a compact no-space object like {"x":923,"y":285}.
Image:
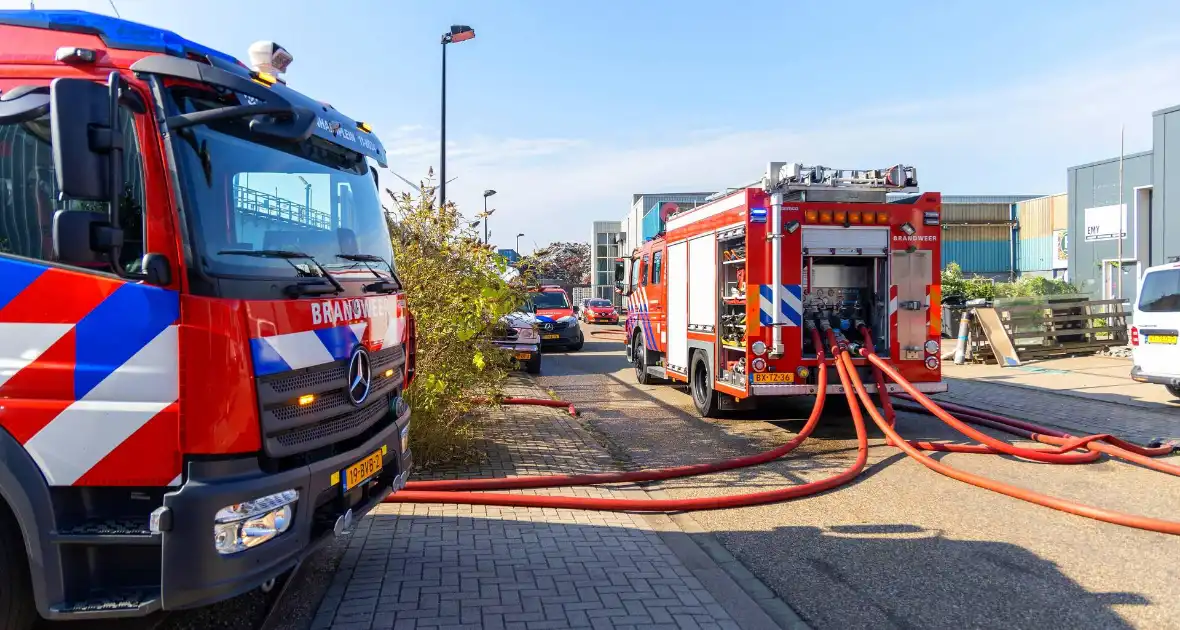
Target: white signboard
{"x":1103,"y":222}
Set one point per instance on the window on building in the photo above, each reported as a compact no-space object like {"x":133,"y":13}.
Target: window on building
{"x":29,"y":195}
{"x":1161,"y":292}
{"x":657,"y":266}
{"x":602,"y":238}
{"x":603,"y":264}
{"x":602,"y":251}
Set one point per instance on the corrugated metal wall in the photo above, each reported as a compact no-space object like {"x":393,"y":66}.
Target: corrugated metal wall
{"x":1038,"y":219}
{"x":984,"y":245}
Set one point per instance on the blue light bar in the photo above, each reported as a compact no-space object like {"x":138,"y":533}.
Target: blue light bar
{"x":114,"y":32}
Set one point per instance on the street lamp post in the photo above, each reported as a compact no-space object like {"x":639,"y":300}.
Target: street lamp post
{"x":518,"y":242}
{"x":458,"y":33}
{"x":487,"y":193}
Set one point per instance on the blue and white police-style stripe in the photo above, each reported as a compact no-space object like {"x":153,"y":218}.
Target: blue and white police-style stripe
{"x":791,"y":304}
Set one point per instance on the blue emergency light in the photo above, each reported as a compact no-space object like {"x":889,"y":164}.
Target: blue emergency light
{"x":757,"y":215}
{"x":114,"y":32}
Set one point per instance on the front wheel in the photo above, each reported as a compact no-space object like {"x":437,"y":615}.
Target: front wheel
{"x":579,"y":343}
{"x":534,"y":364}
{"x":1173,"y":390}
{"x":640,"y":357}
{"x":704,"y":398}
{"x":17,"y":610}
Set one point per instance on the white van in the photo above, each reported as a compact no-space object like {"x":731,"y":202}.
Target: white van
{"x":1154,"y":335}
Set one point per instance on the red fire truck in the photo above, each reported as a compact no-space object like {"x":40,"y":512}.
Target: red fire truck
{"x":203,"y":340}
{"x":724,"y":297}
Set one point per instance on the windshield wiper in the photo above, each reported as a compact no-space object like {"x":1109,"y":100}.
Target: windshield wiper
{"x":287,"y":255}
{"x":382,"y":285}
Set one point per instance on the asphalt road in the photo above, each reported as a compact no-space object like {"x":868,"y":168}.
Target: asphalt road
{"x":902,"y":547}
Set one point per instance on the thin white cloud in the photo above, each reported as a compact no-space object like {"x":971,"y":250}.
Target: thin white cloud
{"x":1014,"y":139}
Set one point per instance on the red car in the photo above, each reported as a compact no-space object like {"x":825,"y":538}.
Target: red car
{"x":601,"y":311}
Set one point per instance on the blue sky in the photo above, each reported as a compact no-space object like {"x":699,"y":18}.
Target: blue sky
{"x":568,"y":108}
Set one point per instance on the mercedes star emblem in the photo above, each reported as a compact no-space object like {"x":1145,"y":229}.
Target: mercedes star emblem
{"x":548,"y":325}
{"x":360,"y":376}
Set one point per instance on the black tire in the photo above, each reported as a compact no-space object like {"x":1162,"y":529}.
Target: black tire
{"x":577,"y":345}
{"x":700,"y":385}
{"x":534,"y":364}
{"x":17,"y":608}
{"x":1173,"y":390}
{"x":639,"y":353}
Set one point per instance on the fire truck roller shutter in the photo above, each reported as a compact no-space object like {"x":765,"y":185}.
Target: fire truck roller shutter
{"x":677,"y":266}
{"x":702,"y":281}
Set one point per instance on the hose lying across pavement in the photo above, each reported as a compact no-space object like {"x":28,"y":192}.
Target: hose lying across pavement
{"x":1066,"y":449}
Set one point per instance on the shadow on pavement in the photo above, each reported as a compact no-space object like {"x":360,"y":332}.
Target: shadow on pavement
{"x":526,"y":566}
{"x":863,"y":577}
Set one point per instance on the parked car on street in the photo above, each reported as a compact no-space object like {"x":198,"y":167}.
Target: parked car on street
{"x":555,"y":318}
{"x":599,"y":311}
{"x":517,"y":333}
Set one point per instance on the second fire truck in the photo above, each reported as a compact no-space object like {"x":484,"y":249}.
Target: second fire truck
{"x":724,"y":298}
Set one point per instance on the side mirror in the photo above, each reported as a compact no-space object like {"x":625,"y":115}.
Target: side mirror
{"x":84,"y":238}
{"x":157,"y":269}
{"x":83,"y":140}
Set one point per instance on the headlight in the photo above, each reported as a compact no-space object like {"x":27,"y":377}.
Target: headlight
{"x":240,"y":526}
{"x":527,"y":335}
{"x":568,"y":319}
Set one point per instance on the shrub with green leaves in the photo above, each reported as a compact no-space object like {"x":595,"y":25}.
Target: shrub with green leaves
{"x":976,"y":287}
{"x":456,"y":290}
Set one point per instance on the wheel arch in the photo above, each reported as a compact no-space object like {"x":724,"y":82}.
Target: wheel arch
{"x":26,"y":497}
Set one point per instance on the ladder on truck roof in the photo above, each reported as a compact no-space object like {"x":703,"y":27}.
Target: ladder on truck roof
{"x":799,"y":182}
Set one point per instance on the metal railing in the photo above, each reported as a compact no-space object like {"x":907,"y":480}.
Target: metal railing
{"x":273,"y":207}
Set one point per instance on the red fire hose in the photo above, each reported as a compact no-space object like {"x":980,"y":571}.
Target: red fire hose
{"x":551,"y":481}
{"x":1093,"y":445}
{"x":1072,"y":507}
{"x":663,"y":505}
{"x":540,"y":402}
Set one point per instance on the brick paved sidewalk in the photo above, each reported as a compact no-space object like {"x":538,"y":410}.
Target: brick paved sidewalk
{"x":458,"y":566}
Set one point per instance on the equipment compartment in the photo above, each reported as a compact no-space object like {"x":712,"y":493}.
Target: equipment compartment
{"x":843,"y":291}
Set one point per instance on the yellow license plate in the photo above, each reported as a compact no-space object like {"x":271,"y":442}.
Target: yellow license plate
{"x":550,"y":336}
{"x":357,"y":473}
{"x":524,"y":355}
{"x":1162,"y":339}
{"x":774,"y":377}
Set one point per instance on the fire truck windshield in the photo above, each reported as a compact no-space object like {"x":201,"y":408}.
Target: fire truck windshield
{"x":246,"y":192}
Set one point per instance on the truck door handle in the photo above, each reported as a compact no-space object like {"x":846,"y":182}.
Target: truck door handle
{"x":910,"y":305}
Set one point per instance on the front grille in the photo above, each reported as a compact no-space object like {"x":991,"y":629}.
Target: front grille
{"x":289,"y":428}
{"x":556,"y":327}
{"x":340,"y":427}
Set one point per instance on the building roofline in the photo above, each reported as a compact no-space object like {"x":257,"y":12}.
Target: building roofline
{"x":1110,"y":160}
{"x":988,"y":198}
{"x":1166,"y":110}
{"x":635,"y":196}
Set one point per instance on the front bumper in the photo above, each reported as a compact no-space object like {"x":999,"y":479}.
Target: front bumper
{"x":522,"y":352}
{"x":592,"y":318}
{"x":194,"y":574}
{"x":566,"y":337}
{"x":808,"y":390}
{"x":1138,"y":375}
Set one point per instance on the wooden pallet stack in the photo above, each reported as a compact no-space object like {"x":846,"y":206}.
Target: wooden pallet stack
{"x":1015,"y":330}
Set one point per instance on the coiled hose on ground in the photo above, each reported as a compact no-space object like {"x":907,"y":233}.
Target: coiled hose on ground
{"x":451,"y":491}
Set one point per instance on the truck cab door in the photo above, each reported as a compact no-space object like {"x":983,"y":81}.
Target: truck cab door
{"x":656,"y":302}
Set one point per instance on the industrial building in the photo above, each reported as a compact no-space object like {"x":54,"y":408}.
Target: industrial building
{"x":982,"y":234}
{"x":1099,"y":221}
{"x":605,"y":250}
{"x":643,"y":219}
